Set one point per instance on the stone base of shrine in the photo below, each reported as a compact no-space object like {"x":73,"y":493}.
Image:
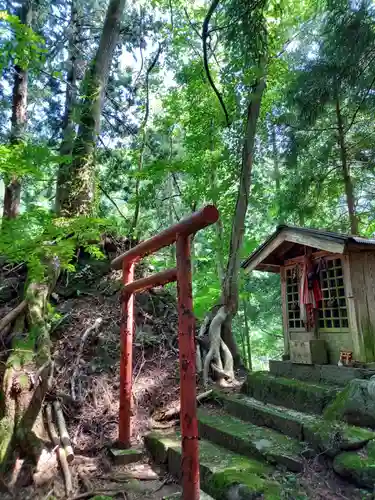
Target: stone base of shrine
{"x":320,"y":374}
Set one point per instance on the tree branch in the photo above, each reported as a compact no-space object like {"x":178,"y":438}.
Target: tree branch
{"x":360,"y":105}
{"x":205,"y":34}
{"x":108,"y":196}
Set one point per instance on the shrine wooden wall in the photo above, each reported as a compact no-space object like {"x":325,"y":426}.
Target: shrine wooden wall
{"x":362,"y":277}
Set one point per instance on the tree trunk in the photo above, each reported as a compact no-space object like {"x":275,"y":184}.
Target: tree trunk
{"x":12,"y":193}
{"x":230,"y":287}
{"x":26,"y":378}
{"x":346,"y":171}
{"x":80,"y":185}
{"x":276,"y":170}
{"x":218,"y":225}
{"x":220,"y":253}
{"x":247,"y":335}
{"x":170,"y":190}
{"x":69,"y":122}
{"x":143,"y":142}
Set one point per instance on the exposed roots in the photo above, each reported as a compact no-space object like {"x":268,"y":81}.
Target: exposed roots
{"x":218,"y":356}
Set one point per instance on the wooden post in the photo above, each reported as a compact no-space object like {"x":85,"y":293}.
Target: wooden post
{"x":126,"y":360}
{"x":180,"y":234}
{"x":186,"y":338}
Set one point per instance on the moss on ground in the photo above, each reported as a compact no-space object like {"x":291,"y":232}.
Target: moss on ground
{"x":249,"y":484}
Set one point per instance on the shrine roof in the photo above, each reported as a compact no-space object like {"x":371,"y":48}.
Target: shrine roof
{"x":288,"y":242}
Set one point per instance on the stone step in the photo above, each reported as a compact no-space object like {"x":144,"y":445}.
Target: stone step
{"x":223,"y":474}
{"x":251,"y":440}
{"x":290,"y":393}
{"x":320,"y":374}
{"x":330,"y":437}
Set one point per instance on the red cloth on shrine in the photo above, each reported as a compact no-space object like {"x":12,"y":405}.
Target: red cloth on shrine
{"x":309,"y":297}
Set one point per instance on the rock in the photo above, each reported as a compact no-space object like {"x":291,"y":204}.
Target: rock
{"x":358,"y":466}
{"x":332,"y":437}
{"x":354,"y":405}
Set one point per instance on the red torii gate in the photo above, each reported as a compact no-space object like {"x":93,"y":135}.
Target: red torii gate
{"x":179,"y":234}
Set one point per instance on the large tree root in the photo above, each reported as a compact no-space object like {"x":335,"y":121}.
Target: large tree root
{"x":218,"y":357}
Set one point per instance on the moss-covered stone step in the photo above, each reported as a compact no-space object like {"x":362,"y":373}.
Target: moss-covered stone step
{"x":251,"y":440}
{"x":330,"y":437}
{"x":224,"y":474}
{"x":357,"y":466}
{"x":286,"y":421}
{"x":290,"y":393}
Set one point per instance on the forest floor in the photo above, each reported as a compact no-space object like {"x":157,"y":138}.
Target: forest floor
{"x":92,"y":369}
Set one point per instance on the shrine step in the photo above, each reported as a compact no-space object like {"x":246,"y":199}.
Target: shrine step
{"x":288,"y":392}
{"x":251,"y":440}
{"x":329,"y":437}
{"x":320,"y":374}
{"x":222,"y":473}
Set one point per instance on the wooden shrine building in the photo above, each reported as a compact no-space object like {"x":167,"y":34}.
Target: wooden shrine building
{"x":327,"y":290}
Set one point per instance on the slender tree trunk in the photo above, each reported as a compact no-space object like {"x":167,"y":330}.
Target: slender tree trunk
{"x":276,"y":170}
{"x":219,"y":235}
{"x":230,"y":287}
{"x":348,"y":183}
{"x":170,"y":189}
{"x":218,"y":225}
{"x":12,"y":193}
{"x":247,"y":334}
{"x":220,"y":253}
{"x":80,"y":185}
{"x":69,"y":125}
{"x":143,"y":142}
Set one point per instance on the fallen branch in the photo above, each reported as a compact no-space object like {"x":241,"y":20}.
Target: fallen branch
{"x":94,"y":493}
{"x":12,"y":315}
{"x":60,"y":451}
{"x":64,"y":435}
{"x":127,"y":476}
{"x":90,"y":329}
{"x":169,"y":414}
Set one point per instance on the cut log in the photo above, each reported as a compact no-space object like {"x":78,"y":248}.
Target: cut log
{"x":60,"y":451}
{"x":64,"y":435}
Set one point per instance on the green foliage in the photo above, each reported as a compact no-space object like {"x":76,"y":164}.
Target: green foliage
{"x":40,"y":239}
{"x":19,"y":43}
{"x":309,"y":52}
{"x":25,"y":159}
